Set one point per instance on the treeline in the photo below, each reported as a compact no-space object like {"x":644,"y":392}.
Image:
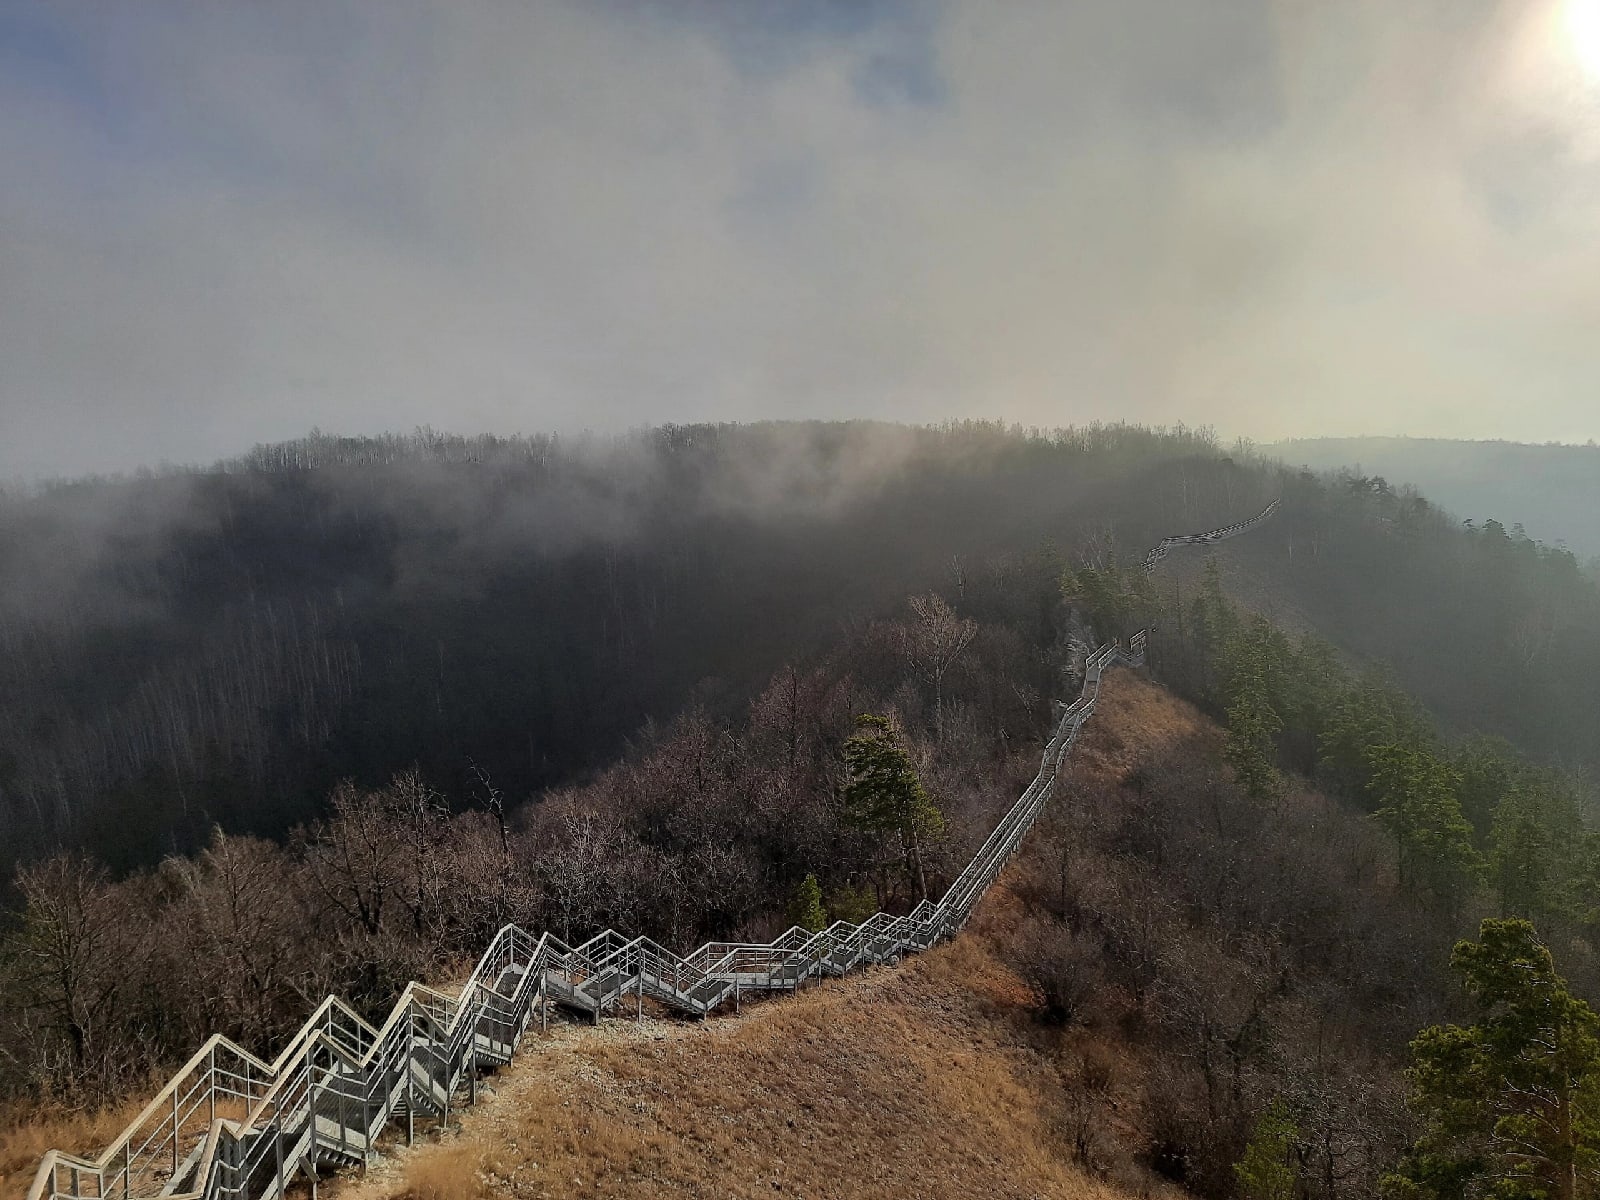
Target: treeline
{"x":224,"y":646}
{"x":705,"y":830}
{"x":1553,"y":489}
{"x":1270,"y":915}
{"x":1472,"y":819}
{"x":1494,"y":632}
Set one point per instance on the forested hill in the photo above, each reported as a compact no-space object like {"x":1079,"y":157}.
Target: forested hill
{"x":226,"y":644}
{"x":1552,"y":490}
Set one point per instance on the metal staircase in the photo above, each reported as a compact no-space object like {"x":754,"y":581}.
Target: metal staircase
{"x":232,"y":1125}
{"x":1206,"y":539}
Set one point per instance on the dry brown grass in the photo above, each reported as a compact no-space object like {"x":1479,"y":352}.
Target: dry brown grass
{"x":26,"y":1135}
{"x":449,"y":1170}
{"x":1134,"y":718}
{"x":930,"y":1079}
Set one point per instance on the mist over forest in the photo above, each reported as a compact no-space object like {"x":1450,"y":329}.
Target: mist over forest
{"x":223,"y":646}
{"x":413,"y":687}
{"x":1552,"y":491}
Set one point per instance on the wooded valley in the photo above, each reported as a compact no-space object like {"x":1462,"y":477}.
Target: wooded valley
{"x":412,"y":688}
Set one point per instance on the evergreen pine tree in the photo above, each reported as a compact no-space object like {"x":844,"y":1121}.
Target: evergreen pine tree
{"x":1415,"y":791}
{"x":806,"y":909}
{"x":883,"y":793}
{"x":1253,"y":722}
{"x":1267,"y":1172}
{"x":1511,"y":1104}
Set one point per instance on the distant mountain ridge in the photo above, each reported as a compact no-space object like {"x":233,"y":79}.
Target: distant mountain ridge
{"x":1553,"y":491}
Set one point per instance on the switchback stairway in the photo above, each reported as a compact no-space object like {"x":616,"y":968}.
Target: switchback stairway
{"x":231,"y":1125}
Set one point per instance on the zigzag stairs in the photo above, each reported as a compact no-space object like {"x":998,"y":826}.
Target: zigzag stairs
{"x":322,"y":1104}
{"x":230,"y":1125}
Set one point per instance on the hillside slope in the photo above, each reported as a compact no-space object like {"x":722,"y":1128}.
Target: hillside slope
{"x":226,"y":646}
{"x":935,"y":1078}
{"x":1554,"y":491}
{"x":918,"y":1080}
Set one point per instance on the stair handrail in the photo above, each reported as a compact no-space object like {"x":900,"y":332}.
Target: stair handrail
{"x":454,"y":1021}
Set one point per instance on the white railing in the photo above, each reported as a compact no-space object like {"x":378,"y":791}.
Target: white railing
{"x":232,"y":1125}
{"x":1206,"y":539}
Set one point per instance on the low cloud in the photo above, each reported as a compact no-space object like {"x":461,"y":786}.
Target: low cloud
{"x":220,"y":225}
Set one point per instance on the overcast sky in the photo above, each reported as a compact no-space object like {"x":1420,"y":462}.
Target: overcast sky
{"x":223,"y":223}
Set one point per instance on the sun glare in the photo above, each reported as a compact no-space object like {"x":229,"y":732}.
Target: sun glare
{"x":1582,"y":21}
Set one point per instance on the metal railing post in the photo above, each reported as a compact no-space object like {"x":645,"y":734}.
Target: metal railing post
{"x":344,"y":1130}
{"x":311,"y":1107}
{"x":277,"y":1150}
{"x":411,"y":1088}
{"x":444,"y":1121}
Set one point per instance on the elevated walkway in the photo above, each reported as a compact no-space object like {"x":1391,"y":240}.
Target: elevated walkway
{"x":230,"y":1125}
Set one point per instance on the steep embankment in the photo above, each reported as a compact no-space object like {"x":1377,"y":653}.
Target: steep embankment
{"x":919,"y":1080}
{"x":935,"y":1078}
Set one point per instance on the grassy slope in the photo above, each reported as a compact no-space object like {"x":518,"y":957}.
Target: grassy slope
{"x":25,"y":1136}
{"x":934,"y":1078}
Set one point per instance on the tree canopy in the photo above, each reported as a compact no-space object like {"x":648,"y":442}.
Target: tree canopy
{"x":1510,"y":1105}
{"x":883,"y":794}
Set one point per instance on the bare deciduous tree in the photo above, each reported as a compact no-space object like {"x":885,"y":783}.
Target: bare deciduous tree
{"x":934,"y":641}
{"x":77,"y":952}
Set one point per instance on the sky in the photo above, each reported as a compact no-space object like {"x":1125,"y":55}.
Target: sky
{"x":228,"y":223}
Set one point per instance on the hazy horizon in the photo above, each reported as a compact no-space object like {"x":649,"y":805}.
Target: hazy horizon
{"x":579,"y":435}
{"x":228,"y":225}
